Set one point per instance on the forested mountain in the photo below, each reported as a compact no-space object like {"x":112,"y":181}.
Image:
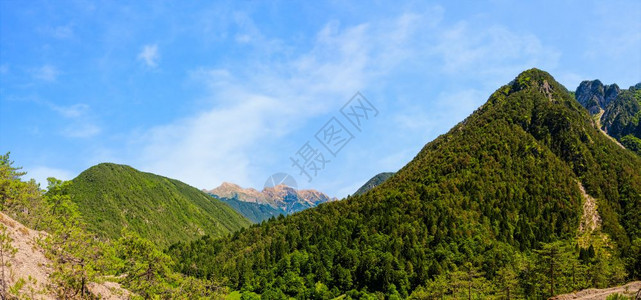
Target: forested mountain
{"x":618,"y":111}
{"x":282,"y":198}
{"x":112,"y":197}
{"x":525,"y":197}
{"x":61,"y":259}
{"x":374,"y":182}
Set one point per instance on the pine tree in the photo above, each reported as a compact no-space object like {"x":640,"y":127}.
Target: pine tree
{"x":148,"y":270}
{"x":75,"y":254}
{"x":508,"y":281}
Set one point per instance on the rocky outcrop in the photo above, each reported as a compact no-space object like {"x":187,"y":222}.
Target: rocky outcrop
{"x":616,"y":111}
{"x":281,"y":197}
{"x":595,"y":96}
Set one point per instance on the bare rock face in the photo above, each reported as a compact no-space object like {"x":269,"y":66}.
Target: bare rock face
{"x":595,"y":96}
{"x":281,"y":197}
{"x":233,"y":191}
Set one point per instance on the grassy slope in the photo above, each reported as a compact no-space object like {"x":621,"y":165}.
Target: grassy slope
{"x":111,"y":197}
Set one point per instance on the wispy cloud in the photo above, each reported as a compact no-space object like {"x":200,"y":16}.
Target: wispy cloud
{"x":72,"y":111}
{"x":45,"y":73}
{"x":81,"y":129}
{"x":58,"y":32}
{"x":255,"y":108}
{"x":81,"y":122}
{"x":149,"y":55}
{"x":492,"y":51}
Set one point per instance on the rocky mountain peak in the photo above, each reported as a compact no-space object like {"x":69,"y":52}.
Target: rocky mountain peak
{"x":281,"y":196}
{"x":595,"y":96}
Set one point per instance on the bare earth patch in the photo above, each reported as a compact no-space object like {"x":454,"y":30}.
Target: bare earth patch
{"x":629,"y":289}
{"x":598,"y":126}
{"x":30,"y":261}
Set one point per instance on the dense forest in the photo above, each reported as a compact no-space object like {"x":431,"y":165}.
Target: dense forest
{"x":526,"y":198}
{"x":491,"y":208}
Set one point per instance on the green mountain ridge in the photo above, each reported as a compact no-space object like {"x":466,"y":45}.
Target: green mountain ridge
{"x":477,"y":201}
{"x":373,"y":182}
{"x":112,"y":197}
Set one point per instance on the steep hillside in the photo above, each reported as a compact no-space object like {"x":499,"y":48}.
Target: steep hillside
{"x":618,"y":111}
{"x":28,"y":270}
{"x":468,"y":211}
{"x":112,"y":197}
{"x":373,"y":182}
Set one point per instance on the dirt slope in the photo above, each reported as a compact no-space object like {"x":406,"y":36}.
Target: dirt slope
{"x":629,"y":289}
{"x":30,"y":261}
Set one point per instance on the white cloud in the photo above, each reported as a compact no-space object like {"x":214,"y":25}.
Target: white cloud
{"x":73,"y":111}
{"x":41,"y":173}
{"x":81,"y":121}
{"x":254,"y":107}
{"x":58,"y":32}
{"x":46,"y":73}
{"x":149,"y":55}
{"x":81,"y":130}
{"x":492,"y":51}
{"x":62,"y":32}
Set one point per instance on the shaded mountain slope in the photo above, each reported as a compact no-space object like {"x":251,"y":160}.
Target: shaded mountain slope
{"x":480,"y":198}
{"x":111,"y":197}
{"x":373,"y":182}
{"x":255,"y":212}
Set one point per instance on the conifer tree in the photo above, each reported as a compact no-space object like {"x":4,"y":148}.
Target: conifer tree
{"x":75,"y":254}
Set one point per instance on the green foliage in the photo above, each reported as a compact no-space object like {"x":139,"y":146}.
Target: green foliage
{"x":25,"y":289}
{"x":621,"y":116}
{"x":75,"y":254}
{"x":617,"y":296}
{"x":632,"y":142}
{"x":78,"y":257}
{"x":19,"y":199}
{"x":113,"y":197}
{"x":147,"y":269}
{"x":476,"y":200}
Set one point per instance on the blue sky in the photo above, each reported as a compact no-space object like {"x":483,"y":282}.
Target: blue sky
{"x":229,"y":91}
